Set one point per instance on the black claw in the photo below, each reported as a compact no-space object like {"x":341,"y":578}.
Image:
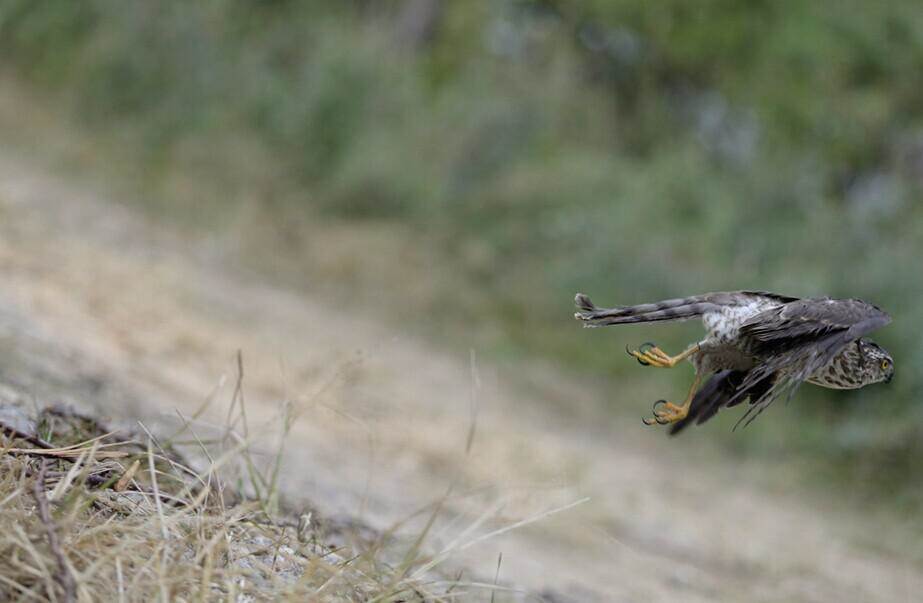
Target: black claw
{"x":656,"y":404}
{"x":650,"y":344}
{"x":662,"y":421}
{"x":632,"y":353}
{"x":645,"y":421}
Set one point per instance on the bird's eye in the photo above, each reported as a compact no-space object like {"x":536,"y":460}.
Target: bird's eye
{"x":885,"y":364}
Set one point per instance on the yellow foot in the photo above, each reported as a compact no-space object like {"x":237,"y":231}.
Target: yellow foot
{"x":651,"y":355}
{"x":666,"y":413}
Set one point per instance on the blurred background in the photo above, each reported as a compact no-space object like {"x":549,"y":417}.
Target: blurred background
{"x":461,"y":169}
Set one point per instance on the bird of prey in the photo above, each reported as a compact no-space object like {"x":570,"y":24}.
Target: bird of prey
{"x":758,"y":346}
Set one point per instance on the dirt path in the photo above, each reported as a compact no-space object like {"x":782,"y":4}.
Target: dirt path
{"x":136,"y":305}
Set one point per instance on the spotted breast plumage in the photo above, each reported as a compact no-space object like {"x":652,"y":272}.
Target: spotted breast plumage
{"x":758,"y":346}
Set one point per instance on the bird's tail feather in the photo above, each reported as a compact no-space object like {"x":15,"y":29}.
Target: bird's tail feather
{"x":671,"y":309}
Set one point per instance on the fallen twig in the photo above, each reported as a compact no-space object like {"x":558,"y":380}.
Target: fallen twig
{"x":63,"y":576}
{"x":125,"y":480}
{"x":34,"y":440}
{"x":69,"y":454}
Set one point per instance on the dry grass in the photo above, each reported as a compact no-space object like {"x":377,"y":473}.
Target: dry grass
{"x":88,"y":513}
{"x":127,"y":519}
{"x":147,"y":527}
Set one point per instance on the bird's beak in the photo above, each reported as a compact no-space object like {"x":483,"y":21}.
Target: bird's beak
{"x":889,"y":377}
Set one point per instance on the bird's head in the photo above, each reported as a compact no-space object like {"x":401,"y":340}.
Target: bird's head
{"x":876,"y":362}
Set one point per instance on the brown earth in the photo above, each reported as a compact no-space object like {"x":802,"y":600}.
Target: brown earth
{"x":146,"y":322}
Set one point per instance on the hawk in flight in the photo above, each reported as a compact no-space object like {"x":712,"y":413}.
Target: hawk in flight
{"x":758,"y":346}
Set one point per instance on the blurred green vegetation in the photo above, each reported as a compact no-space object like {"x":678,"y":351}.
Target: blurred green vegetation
{"x":530,"y":149}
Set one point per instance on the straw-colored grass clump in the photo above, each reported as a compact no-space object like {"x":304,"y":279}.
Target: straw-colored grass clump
{"x":93,"y":516}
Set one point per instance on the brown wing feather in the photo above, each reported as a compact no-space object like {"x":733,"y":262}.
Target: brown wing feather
{"x":723,"y":390}
{"x":807,"y":320}
{"x":795,"y":340}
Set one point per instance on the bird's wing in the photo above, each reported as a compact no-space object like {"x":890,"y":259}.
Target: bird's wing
{"x":809,"y":321}
{"x":796,"y":339}
{"x":724,"y":389}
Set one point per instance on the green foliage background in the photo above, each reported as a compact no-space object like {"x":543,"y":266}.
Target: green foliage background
{"x":530,"y":149}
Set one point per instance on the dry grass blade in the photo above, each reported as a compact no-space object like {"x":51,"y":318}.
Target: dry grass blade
{"x":496,"y":577}
{"x":458,"y":546}
{"x":65,"y":483}
{"x":72,"y":451}
{"x":157,"y":503}
{"x":475,"y":390}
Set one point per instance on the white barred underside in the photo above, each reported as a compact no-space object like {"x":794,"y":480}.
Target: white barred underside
{"x":719,"y":349}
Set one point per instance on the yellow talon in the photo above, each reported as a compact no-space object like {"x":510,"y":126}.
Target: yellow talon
{"x":669,"y":413}
{"x":654,"y":356}
{"x":666,"y":413}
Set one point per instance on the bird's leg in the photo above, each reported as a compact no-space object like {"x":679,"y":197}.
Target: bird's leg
{"x":651,"y":355}
{"x":667,"y":412}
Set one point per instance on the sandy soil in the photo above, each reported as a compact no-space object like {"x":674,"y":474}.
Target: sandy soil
{"x":150,"y":322}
